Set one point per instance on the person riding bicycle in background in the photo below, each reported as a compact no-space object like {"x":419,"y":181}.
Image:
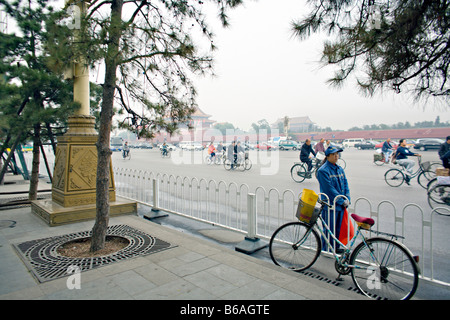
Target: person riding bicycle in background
{"x":333,"y":183}
{"x":164,"y":149}
{"x":240,"y":149}
{"x":220,"y":148}
{"x":320,"y":146}
{"x":305,"y":152}
{"x":402,"y":159}
{"x":125,"y":149}
{"x":444,"y":153}
{"x":231,"y":154}
{"x":387,"y":150}
{"x":211,"y":151}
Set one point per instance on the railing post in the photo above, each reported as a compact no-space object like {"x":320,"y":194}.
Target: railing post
{"x":156,"y":211}
{"x":251,"y":243}
{"x":251,"y":216}
{"x":155,"y":189}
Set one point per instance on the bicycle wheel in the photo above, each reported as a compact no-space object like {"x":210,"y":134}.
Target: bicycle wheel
{"x":341,"y":162}
{"x":431,"y":184}
{"x":248,"y":164}
{"x":394,"y":177}
{"x":298,"y":172}
{"x":227,"y":164}
{"x":126,"y":157}
{"x":425,"y":177}
{"x":295,"y":246}
{"x":384,"y":269}
{"x":241,"y":164}
{"x":439,"y":197}
{"x":380,"y":162}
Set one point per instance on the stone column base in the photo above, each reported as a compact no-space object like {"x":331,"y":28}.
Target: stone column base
{"x":54,"y":214}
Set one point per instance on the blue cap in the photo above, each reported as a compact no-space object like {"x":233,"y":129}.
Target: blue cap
{"x":331,"y":150}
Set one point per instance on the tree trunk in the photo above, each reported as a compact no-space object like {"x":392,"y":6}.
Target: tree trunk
{"x":34,"y":181}
{"x":106,"y":114}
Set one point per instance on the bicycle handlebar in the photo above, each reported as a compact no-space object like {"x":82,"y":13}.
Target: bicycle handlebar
{"x":323,"y":203}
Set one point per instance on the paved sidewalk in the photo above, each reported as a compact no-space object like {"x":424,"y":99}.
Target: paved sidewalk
{"x":195,"y":269}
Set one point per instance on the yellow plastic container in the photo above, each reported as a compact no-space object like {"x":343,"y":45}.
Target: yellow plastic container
{"x":306,"y":206}
{"x":309,"y":197}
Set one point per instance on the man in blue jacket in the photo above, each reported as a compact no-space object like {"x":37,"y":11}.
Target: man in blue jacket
{"x":333,"y":183}
{"x":387,"y":150}
{"x":305,"y":154}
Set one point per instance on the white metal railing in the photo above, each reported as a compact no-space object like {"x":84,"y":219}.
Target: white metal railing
{"x":258,"y":214}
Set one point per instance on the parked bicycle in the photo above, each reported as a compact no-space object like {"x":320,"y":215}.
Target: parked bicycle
{"x":396,"y":177}
{"x":381,"y":268}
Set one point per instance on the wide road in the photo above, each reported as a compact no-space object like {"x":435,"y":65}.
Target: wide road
{"x":366,"y":180}
{"x":272,"y":170}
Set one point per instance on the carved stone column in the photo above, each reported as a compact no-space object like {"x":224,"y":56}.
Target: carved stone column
{"x":74,"y":179}
{"x":75,"y":173}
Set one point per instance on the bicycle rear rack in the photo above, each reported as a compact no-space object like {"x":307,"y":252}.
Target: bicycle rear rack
{"x":393,"y":236}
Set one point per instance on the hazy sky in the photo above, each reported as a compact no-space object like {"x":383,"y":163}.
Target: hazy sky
{"x":265,"y":73}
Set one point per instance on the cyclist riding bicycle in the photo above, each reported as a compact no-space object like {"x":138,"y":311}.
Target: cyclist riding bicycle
{"x":232,"y":154}
{"x":402,"y":159}
{"x":164,"y":149}
{"x":387,"y":150}
{"x":125,"y":150}
{"x":211,"y":151}
{"x":305,"y":152}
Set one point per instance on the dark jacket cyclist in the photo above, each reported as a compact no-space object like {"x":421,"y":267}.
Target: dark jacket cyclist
{"x":305,"y":152}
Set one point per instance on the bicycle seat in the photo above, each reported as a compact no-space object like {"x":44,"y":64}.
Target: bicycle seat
{"x":363,"y":222}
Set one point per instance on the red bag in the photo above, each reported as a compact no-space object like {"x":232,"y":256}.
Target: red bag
{"x":346,"y":234}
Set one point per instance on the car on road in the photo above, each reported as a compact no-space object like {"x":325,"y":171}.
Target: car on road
{"x":380,"y":145}
{"x":191,"y":146}
{"x":365,"y":145}
{"x":145,"y":146}
{"x":351,"y":142}
{"x":426,"y":144}
{"x":289,"y":145}
{"x":265,"y":146}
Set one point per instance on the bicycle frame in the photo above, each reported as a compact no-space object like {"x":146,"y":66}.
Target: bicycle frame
{"x":336,"y":256}
{"x":340,"y":260}
{"x":419,"y":170}
{"x":347,"y":249}
{"x":315,"y":165}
